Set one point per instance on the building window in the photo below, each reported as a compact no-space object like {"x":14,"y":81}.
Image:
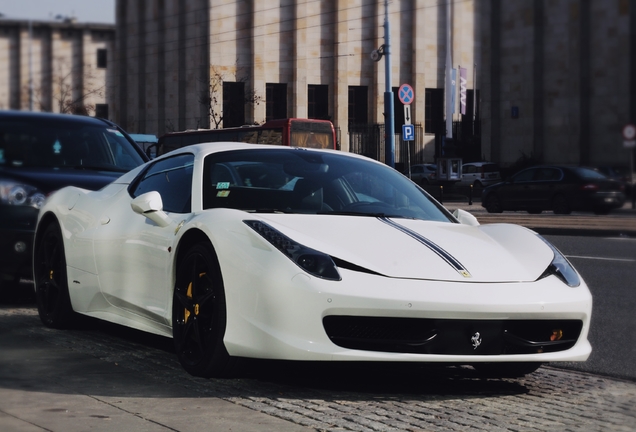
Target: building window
{"x":434,"y":111}
{"x":101,"y":111}
{"x":358,"y":105}
{"x":102,"y":58}
{"x":275,"y":101}
{"x":318,"y":102}
{"x":233,"y":104}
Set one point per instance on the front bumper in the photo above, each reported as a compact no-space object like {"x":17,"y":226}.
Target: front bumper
{"x":17,"y":227}
{"x":294,"y":321}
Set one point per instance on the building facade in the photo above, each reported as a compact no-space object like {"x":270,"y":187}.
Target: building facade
{"x":188,"y":64}
{"x":56,"y":66}
{"x":559,"y":80}
{"x":546,"y":80}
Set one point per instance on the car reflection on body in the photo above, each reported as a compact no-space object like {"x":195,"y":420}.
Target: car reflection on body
{"x":423,"y":174}
{"x":42,"y":152}
{"x":241,"y":250}
{"x":562,"y":189}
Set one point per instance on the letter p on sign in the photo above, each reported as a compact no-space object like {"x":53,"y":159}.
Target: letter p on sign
{"x":408,"y":132}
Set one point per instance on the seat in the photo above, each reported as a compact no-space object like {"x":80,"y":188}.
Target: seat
{"x":307,"y":195}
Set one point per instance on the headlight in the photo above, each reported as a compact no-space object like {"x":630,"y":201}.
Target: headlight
{"x":19,"y":194}
{"x":561,"y":267}
{"x":310,"y":260}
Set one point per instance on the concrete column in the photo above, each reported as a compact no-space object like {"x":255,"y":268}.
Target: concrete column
{"x":299,"y":92}
{"x":259,"y":52}
{"x":419,"y":62}
{"x":341,"y":84}
{"x":22,"y":91}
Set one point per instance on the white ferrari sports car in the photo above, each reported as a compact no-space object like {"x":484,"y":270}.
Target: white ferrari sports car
{"x":253,"y":251}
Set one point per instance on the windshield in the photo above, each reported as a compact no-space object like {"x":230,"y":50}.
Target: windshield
{"x":313,"y":182}
{"x":64,"y":144}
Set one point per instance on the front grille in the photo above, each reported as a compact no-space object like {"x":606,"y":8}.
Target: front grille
{"x":450,"y":336}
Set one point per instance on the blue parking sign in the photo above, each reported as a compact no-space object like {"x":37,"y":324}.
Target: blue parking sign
{"x":408,"y":132}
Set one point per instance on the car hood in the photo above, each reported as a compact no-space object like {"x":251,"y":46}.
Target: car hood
{"x":405,"y":248}
{"x":50,"y":179}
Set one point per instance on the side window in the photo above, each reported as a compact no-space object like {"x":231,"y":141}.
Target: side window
{"x":172,"y":178}
{"x":525,"y":176}
{"x":549,"y":174}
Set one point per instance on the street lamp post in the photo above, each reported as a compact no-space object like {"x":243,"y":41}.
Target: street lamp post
{"x":389,"y":127}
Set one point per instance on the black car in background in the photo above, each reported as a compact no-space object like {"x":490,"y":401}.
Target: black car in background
{"x":43,"y":152}
{"x":562,"y":189}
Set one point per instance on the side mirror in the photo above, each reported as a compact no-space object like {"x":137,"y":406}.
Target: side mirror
{"x":150,"y":205}
{"x":465,"y":218}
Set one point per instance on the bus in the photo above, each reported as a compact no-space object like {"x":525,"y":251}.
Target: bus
{"x":294,"y":132}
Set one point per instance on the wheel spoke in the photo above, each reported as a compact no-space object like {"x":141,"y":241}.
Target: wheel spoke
{"x":184,"y":301}
{"x":199,"y":336}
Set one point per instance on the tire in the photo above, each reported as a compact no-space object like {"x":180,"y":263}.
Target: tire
{"x":51,"y":284}
{"x":199,"y":315}
{"x":560,"y":205}
{"x":493,"y":204}
{"x":506,"y":370}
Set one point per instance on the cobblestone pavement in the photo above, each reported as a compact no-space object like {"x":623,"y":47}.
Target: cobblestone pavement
{"x":364,"y":398}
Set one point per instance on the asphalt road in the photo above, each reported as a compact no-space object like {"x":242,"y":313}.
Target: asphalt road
{"x":608,"y":266}
{"x":102,"y":377}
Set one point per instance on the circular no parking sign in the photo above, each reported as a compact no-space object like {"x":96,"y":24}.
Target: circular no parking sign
{"x":406,"y":94}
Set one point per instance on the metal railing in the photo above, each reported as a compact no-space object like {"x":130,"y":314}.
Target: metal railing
{"x":368,"y":140}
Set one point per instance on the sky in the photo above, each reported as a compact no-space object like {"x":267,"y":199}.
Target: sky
{"x":92,"y":11}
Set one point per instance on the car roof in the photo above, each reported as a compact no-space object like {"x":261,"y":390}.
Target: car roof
{"x":35,"y":115}
{"x":479,"y":163}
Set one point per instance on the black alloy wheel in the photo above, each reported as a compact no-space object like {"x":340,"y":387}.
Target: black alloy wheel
{"x":493,"y":204}
{"x":51,"y":285}
{"x":199,"y":315}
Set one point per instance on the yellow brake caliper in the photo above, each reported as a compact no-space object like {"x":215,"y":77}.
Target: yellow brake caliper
{"x":189,"y":295}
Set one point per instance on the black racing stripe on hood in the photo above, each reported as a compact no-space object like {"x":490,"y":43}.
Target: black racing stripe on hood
{"x":451,"y":260}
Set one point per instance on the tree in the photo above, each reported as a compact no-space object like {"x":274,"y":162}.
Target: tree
{"x":212,"y":98}
{"x":66,"y":91}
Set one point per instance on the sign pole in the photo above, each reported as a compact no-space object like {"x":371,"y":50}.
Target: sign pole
{"x":629,"y":141}
{"x":633,"y":184}
{"x":406,"y":96}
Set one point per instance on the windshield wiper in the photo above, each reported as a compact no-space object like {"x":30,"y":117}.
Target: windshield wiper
{"x":366,"y":214}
